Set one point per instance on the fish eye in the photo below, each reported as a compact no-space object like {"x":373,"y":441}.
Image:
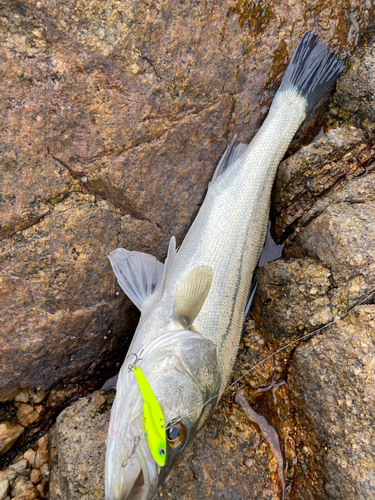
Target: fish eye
{"x":176,"y":434}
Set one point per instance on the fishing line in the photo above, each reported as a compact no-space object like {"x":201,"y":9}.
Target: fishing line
{"x":277,"y":352}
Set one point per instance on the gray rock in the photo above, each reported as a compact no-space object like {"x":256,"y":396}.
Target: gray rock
{"x":77,"y":449}
{"x":333,"y":380}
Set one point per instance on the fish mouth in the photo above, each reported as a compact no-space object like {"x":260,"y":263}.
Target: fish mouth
{"x":140,"y":475}
{"x":140,"y":490}
{"x":132,"y":475}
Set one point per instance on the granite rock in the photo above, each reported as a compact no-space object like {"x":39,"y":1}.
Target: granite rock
{"x":58,"y":271}
{"x":114,"y":119}
{"x":313,"y":174}
{"x":304,"y":392}
{"x":353,"y":101}
{"x":302,"y":304}
{"x":332,"y":380}
{"x":77,"y":449}
{"x":8,"y":435}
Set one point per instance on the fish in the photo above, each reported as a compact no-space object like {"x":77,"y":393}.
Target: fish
{"x":192,"y":306}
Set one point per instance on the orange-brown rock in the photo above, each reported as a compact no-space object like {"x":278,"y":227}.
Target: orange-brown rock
{"x":8,"y":435}
{"x":114,"y":119}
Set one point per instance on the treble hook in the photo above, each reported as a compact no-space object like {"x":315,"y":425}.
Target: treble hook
{"x":136,"y":441}
{"x":137,"y":360}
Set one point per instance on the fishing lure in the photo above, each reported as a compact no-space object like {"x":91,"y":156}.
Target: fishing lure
{"x":153,"y":419}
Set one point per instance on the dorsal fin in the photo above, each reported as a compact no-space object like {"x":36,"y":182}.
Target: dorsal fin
{"x":191,"y":294}
{"x":168,"y":263}
{"x":230,"y":156}
{"x":138,"y":274}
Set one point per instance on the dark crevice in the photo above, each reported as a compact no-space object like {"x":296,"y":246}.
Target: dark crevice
{"x":151,"y":63}
{"x":290,"y":229}
{"x":87,"y":187}
{"x":23,"y":225}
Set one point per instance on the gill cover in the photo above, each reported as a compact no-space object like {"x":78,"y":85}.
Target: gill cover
{"x":153,"y":419}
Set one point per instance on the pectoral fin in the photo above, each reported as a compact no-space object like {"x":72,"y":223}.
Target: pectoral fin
{"x":191,"y":294}
{"x":141,"y":275}
{"x":138,"y":274}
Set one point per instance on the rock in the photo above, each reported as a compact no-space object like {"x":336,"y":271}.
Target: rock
{"x":21,"y":485}
{"x":27,"y":414}
{"x":78,"y":223}
{"x":44,"y":470}
{"x":29,"y":455}
{"x":9,"y":394}
{"x":78,"y":449}
{"x":41,"y":456}
{"x":115,"y":120}
{"x":4,"y":487}
{"x":29,"y":494}
{"x":327,"y":270}
{"x":58,"y":397}
{"x":27,"y":482}
{"x":9,"y":474}
{"x":227,"y":460}
{"x":330,"y":266}
{"x":35,"y":476}
{"x":8,"y":436}
{"x":314,"y":173}
{"x":41,"y":490}
{"x":22,"y":396}
{"x":37,"y":396}
{"x":353,"y":101}
{"x":19,"y":466}
{"x":332,"y":379}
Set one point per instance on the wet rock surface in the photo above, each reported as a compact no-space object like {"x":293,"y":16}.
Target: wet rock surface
{"x":58,"y":271}
{"x":326,"y":220}
{"x":318,"y":396}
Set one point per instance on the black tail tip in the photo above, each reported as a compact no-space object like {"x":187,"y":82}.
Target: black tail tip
{"x":312,"y":70}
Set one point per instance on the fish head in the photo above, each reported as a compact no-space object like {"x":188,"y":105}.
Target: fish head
{"x":182,"y":371}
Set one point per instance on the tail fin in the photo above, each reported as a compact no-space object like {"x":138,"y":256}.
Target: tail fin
{"x":312,"y":70}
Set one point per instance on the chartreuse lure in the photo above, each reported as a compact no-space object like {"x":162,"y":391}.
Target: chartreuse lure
{"x":153,"y":419}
